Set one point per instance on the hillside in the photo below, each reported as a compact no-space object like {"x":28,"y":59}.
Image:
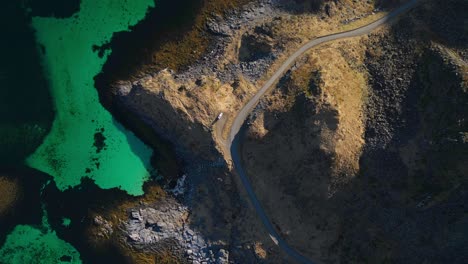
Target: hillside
{"x":364,"y":144}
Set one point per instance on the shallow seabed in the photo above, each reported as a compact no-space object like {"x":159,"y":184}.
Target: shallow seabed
{"x":85,"y":140}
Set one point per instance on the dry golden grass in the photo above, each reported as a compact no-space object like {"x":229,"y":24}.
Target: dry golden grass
{"x":178,"y":53}
{"x":145,"y":258}
{"x":300,"y":29}
{"x":259,"y":250}
{"x":342,"y":87}
{"x":362,"y":22}
{"x":345,"y":89}
{"x":457,"y":60}
{"x":153,"y":193}
{"x":201,"y":103}
{"x":279,"y":149}
{"x":166,"y":258}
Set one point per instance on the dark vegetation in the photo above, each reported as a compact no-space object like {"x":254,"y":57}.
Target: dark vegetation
{"x":27,"y":210}
{"x":407,"y":203}
{"x":448,"y":23}
{"x":254,"y":47}
{"x":39,"y":194}
{"x":99,"y":140}
{"x":412,"y":182}
{"x":411,"y":205}
{"x":388,"y":3}
{"x":76,"y":204}
{"x":172,"y":35}
{"x":300,"y":6}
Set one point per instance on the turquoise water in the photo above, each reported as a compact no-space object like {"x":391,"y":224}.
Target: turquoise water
{"x":66,"y":222}
{"x":28,"y":244}
{"x":85,"y":140}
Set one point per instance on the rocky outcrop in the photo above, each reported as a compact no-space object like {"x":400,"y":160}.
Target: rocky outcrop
{"x":165,"y":226}
{"x":255,"y":46}
{"x":104,"y":228}
{"x":218,"y":27}
{"x":175,"y":105}
{"x":405,"y":148}
{"x":167,"y":115}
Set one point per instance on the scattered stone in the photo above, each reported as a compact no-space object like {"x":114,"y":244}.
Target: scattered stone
{"x":180,"y":188}
{"x":105,"y":228}
{"x":136,"y":215}
{"x":154,"y":227}
{"x":135,"y":237}
{"x":218,"y":28}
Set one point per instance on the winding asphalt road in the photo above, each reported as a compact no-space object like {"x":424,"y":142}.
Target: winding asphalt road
{"x":233,"y":142}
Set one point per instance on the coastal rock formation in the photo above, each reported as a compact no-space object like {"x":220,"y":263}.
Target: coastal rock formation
{"x":348,"y":155}
{"x":165,"y":226}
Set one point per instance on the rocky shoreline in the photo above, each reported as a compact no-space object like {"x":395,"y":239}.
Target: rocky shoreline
{"x":164,"y":226}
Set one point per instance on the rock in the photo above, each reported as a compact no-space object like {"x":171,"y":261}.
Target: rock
{"x":199,"y":82}
{"x":217,"y":28}
{"x":136,"y":215}
{"x":149,"y":216}
{"x":156,"y":226}
{"x":135,"y":237}
{"x":161,"y":225}
{"x":124,"y":89}
{"x":105,"y":227}
{"x":98,"y":220}
{"x":222,"y":257}
{"x":151,"y":228}
{"x":328,"y":10}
